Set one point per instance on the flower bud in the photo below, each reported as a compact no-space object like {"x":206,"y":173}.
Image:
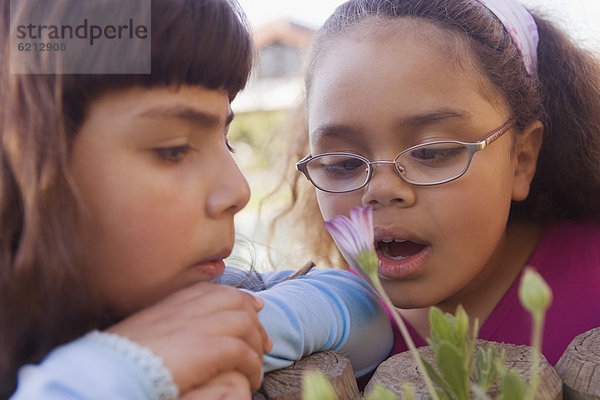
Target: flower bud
{"x":534,"y":293}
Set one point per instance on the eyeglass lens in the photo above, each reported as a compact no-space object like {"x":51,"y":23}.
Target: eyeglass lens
{"x":425,"y":164}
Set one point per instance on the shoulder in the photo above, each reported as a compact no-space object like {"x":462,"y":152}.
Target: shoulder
{"x":574,"y":244}
{"x":568,"y":257}
{"x":585,"y":231}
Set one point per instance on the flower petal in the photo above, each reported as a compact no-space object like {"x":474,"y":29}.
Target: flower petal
{"x":354,"y":237}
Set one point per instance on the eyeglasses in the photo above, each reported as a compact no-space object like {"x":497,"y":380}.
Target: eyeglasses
{"x":425,"y":164}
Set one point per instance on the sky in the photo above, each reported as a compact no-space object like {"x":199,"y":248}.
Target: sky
{"x":579,"y":17}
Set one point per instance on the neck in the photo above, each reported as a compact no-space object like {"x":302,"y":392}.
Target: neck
{"x":482,"y":295}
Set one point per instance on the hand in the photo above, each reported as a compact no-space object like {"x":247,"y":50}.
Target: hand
{"x":202,"y":332}
{"x":230,"y":386}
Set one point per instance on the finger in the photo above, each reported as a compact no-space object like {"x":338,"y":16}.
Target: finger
{"x":218,"y":297}
{"x":256,"y":302}
{"x":252,"y":304}
{"x":230,"y":385}
{"x":226,"y":294}
{"x":214,"y":356}
{"x":238,"y":324}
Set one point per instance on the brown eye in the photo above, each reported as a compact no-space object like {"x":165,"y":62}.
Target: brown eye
{"x":173,"y":154}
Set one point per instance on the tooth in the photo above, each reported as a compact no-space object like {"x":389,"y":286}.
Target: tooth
{"x":387,"y":241}
{"x":386,"y":253}
{"x":400,"y":240}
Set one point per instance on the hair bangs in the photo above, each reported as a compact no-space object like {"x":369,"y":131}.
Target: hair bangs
{"x":200,"y":43}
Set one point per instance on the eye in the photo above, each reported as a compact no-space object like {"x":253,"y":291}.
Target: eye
{"x":346,"y":165}
{"x":229,"y":147}
{"x":439,"y":154}
{"x":339,"y":166}
{"x":173,"y":154}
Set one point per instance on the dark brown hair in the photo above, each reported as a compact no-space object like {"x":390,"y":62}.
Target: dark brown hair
{"x":565,"y":96}
{"x":44,"y":300}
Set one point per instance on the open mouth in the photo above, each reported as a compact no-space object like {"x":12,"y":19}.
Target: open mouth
{"x":399,"y":249}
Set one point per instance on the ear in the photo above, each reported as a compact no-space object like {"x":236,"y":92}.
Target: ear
{"x":527,"y":147}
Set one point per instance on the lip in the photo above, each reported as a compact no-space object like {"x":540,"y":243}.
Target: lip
{"x":390,"y":233}
{"x":213,"y":267}
{"x":400,"y":269}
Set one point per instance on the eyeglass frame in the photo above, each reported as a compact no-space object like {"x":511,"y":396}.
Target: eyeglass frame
{"x":472,"y":147}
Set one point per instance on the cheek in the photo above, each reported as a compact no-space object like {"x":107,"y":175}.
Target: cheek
{"x":471,"y":212}
{"x":149,"y":217}
{"x":334,"y":204}
{"x":133,"y":249}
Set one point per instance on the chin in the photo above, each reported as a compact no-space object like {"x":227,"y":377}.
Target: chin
{"x":410,"y":304}
{"x":406,"y":300}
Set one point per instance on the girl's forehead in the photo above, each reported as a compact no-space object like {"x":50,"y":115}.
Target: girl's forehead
{"x":444,"y":41}
{"x":412,"y":41}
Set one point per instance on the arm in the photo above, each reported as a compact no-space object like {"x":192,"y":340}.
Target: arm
{"x":86,"y":368}
{"x":200,"y":333}
{"x":323,"y":310}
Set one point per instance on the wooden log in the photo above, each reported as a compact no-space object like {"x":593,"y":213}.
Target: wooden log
{"x":286,"y":383}
{"x":579,"y":367}
{"x":401,"y":368}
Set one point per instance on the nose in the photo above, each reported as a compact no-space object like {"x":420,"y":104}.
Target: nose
{"x":231,"y":193}
{"x":386,"y":188}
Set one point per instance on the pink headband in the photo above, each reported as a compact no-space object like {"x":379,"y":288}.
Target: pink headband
{"x":521,"y":27}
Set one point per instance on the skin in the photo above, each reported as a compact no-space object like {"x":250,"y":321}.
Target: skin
{"x":158,"y":191}
{"x":155,"y":212}
{"x":401,"y":90}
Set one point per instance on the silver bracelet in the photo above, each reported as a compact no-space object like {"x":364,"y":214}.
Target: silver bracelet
{"x":152,"y":365}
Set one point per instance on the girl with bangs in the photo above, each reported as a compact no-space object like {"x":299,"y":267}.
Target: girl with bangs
{"x":118,"y":193}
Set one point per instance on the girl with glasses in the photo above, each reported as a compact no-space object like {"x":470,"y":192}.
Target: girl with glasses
{"x":117,"y":198}
{"x":472,"y":128}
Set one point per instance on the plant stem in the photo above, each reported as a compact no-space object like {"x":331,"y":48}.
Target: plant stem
{"x":536,"y":342}
{"x":405,"y":335}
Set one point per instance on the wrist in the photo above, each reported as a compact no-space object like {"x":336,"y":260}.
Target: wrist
{"x":149,"y":363}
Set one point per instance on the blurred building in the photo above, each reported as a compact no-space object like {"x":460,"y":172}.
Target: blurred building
{"x":277,"y":78}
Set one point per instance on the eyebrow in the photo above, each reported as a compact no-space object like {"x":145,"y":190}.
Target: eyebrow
{"x":412,"y":122}
{"x":333,"y":131}
{"x":428,"y":118}
{"x":187,"y":113}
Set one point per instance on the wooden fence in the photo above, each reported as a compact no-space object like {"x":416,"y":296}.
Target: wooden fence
{"x":576,"y":376}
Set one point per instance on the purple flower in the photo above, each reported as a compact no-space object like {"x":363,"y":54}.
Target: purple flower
{"x":354,"y":237}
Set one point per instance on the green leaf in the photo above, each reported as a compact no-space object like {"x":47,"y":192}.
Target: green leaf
{"x":435,"y":376}
{"x":316,"y":386}
{"x":475,"y":329}
{"x":441,"y":328}
{"x":442,"y":395}
{"x":451,"y":365}
{"x":512,"y":386}
{"x":481,"y":368}
{"x":409,"y":394}
{"x":382,"y":393}
{"x":479,"y":393}
{"x":462,"y":325}
{"x":489,"y":367}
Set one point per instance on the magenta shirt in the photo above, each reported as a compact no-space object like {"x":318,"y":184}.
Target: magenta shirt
{"x":568,"y":257}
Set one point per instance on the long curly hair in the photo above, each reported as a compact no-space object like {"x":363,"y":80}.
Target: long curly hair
{"x":44,"y":299}
{"x":564,"y":95}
